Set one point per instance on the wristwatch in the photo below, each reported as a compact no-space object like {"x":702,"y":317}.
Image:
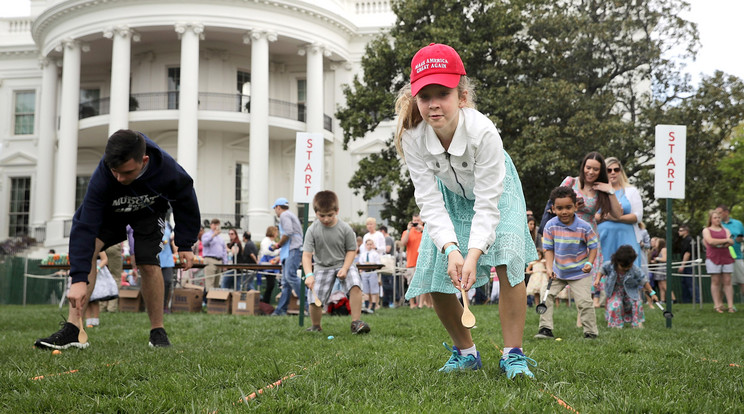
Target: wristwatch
{"x":611,"y":192}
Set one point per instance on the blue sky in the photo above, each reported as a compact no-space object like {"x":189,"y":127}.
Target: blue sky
{"x":719,"y":24}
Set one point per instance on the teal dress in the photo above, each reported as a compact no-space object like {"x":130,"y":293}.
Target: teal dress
{"x":513,"y":246}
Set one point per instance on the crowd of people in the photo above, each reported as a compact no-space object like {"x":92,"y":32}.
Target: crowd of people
{"x":471,"y":231}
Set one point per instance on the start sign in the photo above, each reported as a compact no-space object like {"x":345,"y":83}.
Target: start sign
{"x":671,"y":153}
{"x":308,"y":166}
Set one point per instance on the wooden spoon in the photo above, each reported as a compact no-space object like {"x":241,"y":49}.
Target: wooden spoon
{"x":82,"y":335}
{"x":318,"y":303}
{"x":468,"y":319}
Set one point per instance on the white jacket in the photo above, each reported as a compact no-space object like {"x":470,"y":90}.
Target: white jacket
{"x":472,"y":167}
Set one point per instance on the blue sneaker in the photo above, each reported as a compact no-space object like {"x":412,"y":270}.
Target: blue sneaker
{"x":516,"y":363}
{"x":459,"y":362}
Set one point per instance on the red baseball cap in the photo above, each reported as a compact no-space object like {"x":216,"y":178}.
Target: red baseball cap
{"x":436,"y":64}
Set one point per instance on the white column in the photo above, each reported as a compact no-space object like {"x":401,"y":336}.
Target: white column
{"x":314,"y":121}
{"x":67,"y":151}
{"x":260,"y":215}
{"x":188,"y":97}
{"x":47,"y":140}
{"x":121,"y":58}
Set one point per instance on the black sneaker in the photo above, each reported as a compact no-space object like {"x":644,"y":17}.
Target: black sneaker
{"x":158,"y":338}
{"x":590,"y":336}
{"x":64,"y":338}
{"x":544,"y":333}
{"x":314,"y":328}
{"x":359,"y":327}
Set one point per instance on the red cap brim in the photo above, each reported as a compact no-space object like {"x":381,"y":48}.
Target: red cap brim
{"x":447,"y":80}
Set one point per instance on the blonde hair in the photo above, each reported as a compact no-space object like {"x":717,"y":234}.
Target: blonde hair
{"x":710,"y":217}
{"x":409,"y":115}
{"x":623,"y":177}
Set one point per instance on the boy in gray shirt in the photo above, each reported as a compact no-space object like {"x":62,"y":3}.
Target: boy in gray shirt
{"x":333,"y":244}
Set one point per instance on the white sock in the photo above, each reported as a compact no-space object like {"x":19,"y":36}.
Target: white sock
{"x":469,"y":351}
{"x":507,"y":350}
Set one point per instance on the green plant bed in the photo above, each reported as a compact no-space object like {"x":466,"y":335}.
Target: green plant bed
{"x":217,"y":359}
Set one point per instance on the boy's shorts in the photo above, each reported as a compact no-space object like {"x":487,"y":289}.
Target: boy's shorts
{"x":370,"y":284}
{"x":148,"y":234}
{"x":326,"y":278}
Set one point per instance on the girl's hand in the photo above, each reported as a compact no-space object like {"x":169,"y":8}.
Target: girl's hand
{"x":455,"y":263}
{"x":655,"y":298}
{"x":469,"y":273}
{"x":310,"y":281}
{"x":596,"y":283}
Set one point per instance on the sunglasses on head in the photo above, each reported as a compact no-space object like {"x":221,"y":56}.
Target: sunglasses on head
{"x":612,"y":170}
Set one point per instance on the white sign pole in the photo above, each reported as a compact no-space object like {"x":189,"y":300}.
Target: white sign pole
{"x":669,"y":183}
{"x":671,"y":152}
{"x":308,"y":166}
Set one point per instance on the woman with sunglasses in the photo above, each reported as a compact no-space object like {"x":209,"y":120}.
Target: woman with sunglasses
{"x":617,"y":231}
{"x":620,"y":230}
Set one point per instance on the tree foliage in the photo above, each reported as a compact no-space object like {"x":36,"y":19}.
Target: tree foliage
{"x":559,"y":79}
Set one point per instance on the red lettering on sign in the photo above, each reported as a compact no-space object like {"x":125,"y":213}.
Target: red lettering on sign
{"x":308,"y":167}
{"x":670,"y":173}
{"x":671,"y":162}
{"x":671,"y":135}
{"x":309,"y":143}
{"x":307,"y":190}
{"x":308,"y":179}
{"x":671,"y":148}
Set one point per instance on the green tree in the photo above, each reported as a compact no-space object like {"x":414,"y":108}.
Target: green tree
{"x":558,"y":80}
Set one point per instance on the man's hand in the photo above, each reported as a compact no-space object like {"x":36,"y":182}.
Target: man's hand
{"x":77,"y":295}
{"x":341,"y":274}
{"x":187,"y":258}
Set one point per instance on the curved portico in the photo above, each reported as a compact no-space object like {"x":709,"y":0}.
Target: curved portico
{"x":138,"y":51}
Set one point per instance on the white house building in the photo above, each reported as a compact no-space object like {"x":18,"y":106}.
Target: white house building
{"x":222,"y":85}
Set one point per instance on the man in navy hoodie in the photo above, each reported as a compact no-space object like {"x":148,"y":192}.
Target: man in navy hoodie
{"x":134,"y":184}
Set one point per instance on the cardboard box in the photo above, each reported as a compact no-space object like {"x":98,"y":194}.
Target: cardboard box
{"x":189,"y":298}
{"x":130,"y":300}
{"x":294,"y":305}
{"x":219,"y":301}
{"x":245,"y":303}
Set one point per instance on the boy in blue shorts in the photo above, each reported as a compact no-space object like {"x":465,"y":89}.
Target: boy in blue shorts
{"x":570,"y":246}
{"x":333,"y":245}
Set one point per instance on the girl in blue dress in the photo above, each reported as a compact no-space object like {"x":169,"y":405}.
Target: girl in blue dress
{"x":471,"y":199}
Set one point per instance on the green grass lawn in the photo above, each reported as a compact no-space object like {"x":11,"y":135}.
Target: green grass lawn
{"x":216,"y":359}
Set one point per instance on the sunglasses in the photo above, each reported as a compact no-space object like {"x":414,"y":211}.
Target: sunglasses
{"x":614,"y":170}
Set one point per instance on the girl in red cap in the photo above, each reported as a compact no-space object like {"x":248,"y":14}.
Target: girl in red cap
{"x":471,"y":199}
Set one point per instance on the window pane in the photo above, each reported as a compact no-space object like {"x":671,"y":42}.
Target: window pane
{"x":20,"y":199}
{"x":241,"y":188}
{"x":25,"y":108}
{"x":174,"y":84}
{"x":90,"y":102}
{"x":301,"y":90}
{"x":81,"y":187}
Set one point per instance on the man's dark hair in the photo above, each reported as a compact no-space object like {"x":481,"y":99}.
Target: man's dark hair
{"x":562,"y":192}
{"x":247,"y":235}
{"x":383,"y":228}
{"x":624,"y":256}
{"x":124,"y":145}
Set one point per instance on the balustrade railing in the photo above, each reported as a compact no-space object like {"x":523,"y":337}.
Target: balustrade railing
{"x":208,"y":101}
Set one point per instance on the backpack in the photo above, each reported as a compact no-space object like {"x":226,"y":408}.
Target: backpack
{"x":340,"y":307}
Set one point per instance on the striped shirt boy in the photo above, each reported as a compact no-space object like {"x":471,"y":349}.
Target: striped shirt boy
{"x":570,"y":244}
